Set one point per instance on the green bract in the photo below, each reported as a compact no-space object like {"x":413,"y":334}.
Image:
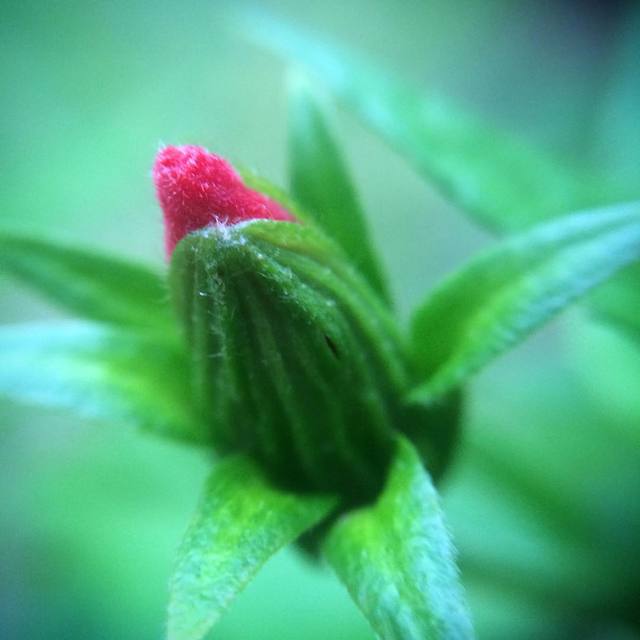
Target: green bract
{"x":397,"y":560}
{"x":295,"y":359}
{"x":242,"y":520}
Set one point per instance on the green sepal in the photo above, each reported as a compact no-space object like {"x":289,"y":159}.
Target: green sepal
{"x":115,"y":375}
{"x":240,"y":523}
{"x":501,"y":297}
{"x":321,"y":183}
{"x":397,"y":560}
{"x":258,"y":182}
{"x":295,"y":359}
{"x":89,"y":283}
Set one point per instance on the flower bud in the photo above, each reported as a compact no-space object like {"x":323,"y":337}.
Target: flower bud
{"x":295,"y":359}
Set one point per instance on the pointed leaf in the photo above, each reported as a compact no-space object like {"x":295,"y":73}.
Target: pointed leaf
{"x":111,"y":374}
{"x":91,"y":284}
{"x":504,"y":295}
{"x":499,"y":179}
{"x":241,"y":522}
{"x":321,"y":184}
{"x":397,"y":560}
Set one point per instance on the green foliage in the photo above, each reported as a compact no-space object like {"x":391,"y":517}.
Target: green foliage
{"x":295,"y":370}
{"x":115,"y":375}
{"x":397,"y":560}
{"x":93,"y":285}
{"x":504,"y":295}
{"x":320,"y":182}
{"x":502,"y":181}
{"x":240,"y":523}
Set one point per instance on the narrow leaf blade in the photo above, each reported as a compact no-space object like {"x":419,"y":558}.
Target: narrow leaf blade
{"x":93,"y":285}
{"x":100,"y":372}
{"x":497,"y":178}
{"x":503,"y":296}
{"x":397,"y":560}
{"x":240,"y":523}
{"x":321,"y":184}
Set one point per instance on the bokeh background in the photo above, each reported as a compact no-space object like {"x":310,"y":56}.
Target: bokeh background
{"x":544,"y":498}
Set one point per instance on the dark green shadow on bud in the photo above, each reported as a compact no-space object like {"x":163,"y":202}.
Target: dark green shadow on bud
{"x":434,"y":430}
{"x":295,"y":359}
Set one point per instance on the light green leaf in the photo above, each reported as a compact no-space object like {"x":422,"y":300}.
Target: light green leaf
{"x":115,"y":375}
{"x":499,"y":179}
{"x":93,"y":285}
{"x":321,"y":184}
{"x":241,"y":522}
{"x":501,"y":297}
{"x":397,"y":560}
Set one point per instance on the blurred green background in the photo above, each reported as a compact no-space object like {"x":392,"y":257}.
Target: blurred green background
{"x":544,"y":498}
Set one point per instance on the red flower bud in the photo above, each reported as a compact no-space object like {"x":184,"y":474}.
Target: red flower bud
{"x":197,"y":189}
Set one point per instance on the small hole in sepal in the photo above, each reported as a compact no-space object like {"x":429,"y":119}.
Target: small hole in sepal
{"x":332,"y":347}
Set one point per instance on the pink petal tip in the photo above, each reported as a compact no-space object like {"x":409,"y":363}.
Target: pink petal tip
{"x":197,"y":189}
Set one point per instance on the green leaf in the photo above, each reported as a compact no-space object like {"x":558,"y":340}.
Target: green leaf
{"x":397,"y":560}
{"x":501,"y":297}
{"x":501,"y":180}
{"x":241,"y":522}
{"x":91,"y":284}
{"x":116,"y":375}
{"x":321,"y":184}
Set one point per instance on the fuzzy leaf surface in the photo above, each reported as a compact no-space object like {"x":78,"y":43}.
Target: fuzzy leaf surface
{"x":116,"y":375}
{"x":500,"y":180}
{"x":501,"y":297}
{"x":240,"y":523}
{"x":321,"y":183}
{"x":397,"y":560}
{"x":91,"y":284}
